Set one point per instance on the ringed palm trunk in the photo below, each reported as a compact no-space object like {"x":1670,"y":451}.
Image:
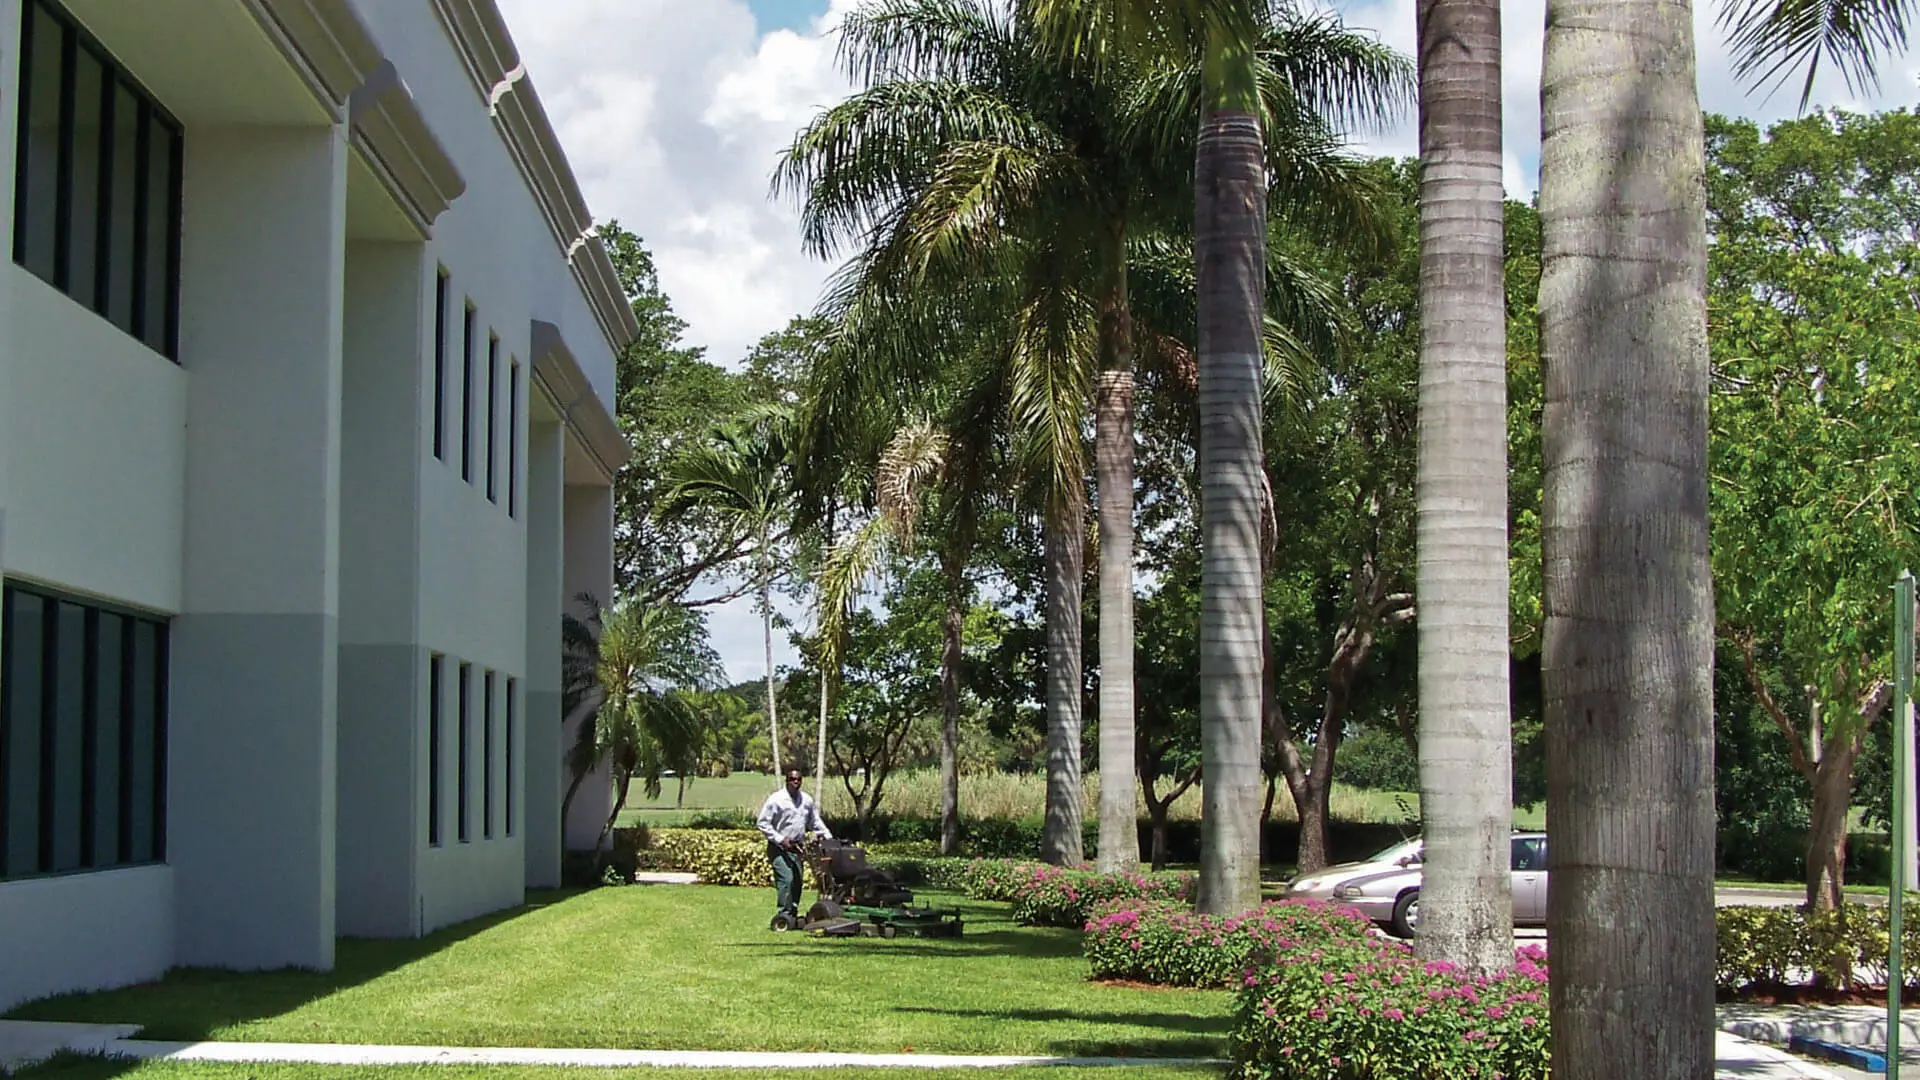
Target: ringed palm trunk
{"x":1113,"y":457}
{"x":1065,"y":529}
{"x":1627,"y":663}
{"x":952,"y":626}
{"x":1466,"y":780}
{"x":766,"y":630}
{"x":1230,"y":248}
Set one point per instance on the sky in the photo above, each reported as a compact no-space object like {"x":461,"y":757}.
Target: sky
{"x":673,"y":114}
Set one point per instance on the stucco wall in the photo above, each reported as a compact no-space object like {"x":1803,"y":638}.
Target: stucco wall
{"x":84,"y":932}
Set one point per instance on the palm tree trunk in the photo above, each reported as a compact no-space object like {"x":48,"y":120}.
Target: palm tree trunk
{"x":1230,"y":247}
{"x":820,"y":745}
{"x":1627,"y":662}
{"x":1113,"y":455}
{"x":1466,"y":780}
{"x":952,"y":624}
{"x":766,"y":629}
{"x":1060,"y":840}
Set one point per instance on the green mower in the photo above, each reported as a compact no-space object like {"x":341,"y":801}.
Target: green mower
{"x":857,"y":900}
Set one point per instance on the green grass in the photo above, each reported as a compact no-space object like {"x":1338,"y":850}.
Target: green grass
{"x":682,"y":967}
{"x":916,"y":793}
{"x":81,"y":1068}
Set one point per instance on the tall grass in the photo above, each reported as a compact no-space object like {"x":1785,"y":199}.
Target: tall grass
{"x":1018,"y":795}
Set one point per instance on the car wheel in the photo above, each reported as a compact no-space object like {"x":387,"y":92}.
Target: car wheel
{"x":1406,"y":914}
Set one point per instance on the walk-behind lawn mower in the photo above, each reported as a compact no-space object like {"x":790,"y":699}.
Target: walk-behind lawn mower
{"x":858,"y":900}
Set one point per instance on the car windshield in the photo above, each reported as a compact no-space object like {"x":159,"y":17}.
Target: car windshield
{"x":1398,"y":851}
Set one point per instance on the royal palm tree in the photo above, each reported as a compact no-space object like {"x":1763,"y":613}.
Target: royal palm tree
{"x":1466,"y":781}
{"x":1221,"y":39}
{"x":973,"y":149}
{"x":1627,"y":661}
{"x":741,"y":473}
{"x":1772,"y":38}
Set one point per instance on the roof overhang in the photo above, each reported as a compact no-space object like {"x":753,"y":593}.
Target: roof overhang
{"x":557,"y":374}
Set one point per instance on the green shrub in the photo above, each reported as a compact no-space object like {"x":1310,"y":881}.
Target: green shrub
{"x":1759,"y":947}
{"x":1053,"y":896}
{"x":1378,"y":760}
{"x":1368,"y":1010}
{"x":1165,"y":943}
{"x":720,"y":857}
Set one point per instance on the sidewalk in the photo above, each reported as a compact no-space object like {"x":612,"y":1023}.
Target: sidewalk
{"x":22,"y":1043}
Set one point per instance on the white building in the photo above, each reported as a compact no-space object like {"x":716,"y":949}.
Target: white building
{"x":306,"y":389}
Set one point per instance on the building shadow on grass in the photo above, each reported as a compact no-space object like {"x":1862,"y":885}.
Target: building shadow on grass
{"x":192,"y":1004}
{"x":1021,"y":943}
{"x":1177,"y":1035}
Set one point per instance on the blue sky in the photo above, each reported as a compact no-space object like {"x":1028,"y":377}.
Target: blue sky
{"x":797,"y":15}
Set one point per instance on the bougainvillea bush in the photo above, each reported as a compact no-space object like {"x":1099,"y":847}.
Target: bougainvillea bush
{"x":1155,"y":941}
{"x":1044,"y":895}
{"x":1370,"y":1011}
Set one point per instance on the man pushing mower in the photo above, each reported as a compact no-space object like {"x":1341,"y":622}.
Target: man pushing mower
{"x":785,"y":819}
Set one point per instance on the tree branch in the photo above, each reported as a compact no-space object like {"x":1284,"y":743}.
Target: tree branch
{"x":1795,"y":748}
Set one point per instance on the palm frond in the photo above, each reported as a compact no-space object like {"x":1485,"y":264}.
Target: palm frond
{"x":916,"y":454}
{"x":962,"y":40}
{"x":1772,"y":38}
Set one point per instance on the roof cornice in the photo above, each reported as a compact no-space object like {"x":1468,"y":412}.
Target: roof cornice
{"x":580,"y":408}
{"x":500,"y":79}
{"x":393,"y":136}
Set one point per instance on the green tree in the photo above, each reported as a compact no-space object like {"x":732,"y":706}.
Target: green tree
{"x":1627,"y":661}
{"x":740,"y":474}
{"x":1816,"y":353}
{"x":632,"y":671}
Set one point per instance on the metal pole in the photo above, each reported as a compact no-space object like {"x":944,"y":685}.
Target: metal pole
{"x":1902,"y":747}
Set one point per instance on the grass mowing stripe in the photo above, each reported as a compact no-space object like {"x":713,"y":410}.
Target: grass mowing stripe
{"x":85,"y":1068}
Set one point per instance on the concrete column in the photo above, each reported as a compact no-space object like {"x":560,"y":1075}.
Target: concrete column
{"x":588,"y":568}
{"x":251,"y":745}
{"x":382,"y":784}
{"x":545,"y":767}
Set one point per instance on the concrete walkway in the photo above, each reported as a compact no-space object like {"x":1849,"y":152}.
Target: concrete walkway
{"x":22,"y":1043}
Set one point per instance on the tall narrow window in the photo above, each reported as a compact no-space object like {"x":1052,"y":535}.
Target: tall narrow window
{"x":440,"y":365}
{"x":493,"y":413}
{"x":82,"y":736}
{"x":97,"y":181}
{"x":466,"y":396}
{"x":486,"y":756}
{"x":463,"y":758}
{"x":513,"y":688}
{"x":436,"y":675}
{"x":513,"y":440}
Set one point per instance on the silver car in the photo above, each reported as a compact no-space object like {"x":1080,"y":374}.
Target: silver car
{"x":1386,"y":888}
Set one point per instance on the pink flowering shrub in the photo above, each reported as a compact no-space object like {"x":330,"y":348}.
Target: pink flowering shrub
{"x":1051,"y":896}
{"x":1370,"y":1011}
{"x":1159,"y":942}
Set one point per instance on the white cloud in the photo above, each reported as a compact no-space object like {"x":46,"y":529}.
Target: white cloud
{"x":673,"y":114}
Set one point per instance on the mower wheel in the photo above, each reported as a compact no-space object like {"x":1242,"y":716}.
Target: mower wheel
{"x":783,"y":922}
{"x":822,"y":910}
{"x":888,"y":930}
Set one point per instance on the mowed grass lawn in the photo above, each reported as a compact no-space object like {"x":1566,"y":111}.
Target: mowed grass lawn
{"x":682,"y":967}
{"x":97,"y":1069}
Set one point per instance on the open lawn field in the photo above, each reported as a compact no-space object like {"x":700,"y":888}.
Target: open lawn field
{"x":96,"y":1069}
{"x":682,"y":967}
{"x":996,"y":795}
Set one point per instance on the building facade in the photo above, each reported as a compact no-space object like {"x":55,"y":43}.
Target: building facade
{"x":306,"y":438}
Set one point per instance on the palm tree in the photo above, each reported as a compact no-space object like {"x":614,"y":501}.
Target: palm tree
{"x":973,"y":151}
{"x":1466,"y":782}
{"x":1770,"y":38}
{"x":741,"y":473}
{"x":1220,"y":38}
{"x":632,"y":674}
{"x":1627,"y":661}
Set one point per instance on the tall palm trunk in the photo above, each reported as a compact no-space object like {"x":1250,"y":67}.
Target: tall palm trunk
{"x":1627,"y":662}
{"x":820,"y":746}
{"x":952,"y":625}
{"x":1113,"y":456}
{"x":1065,"y":539}
{"x":1466,"y":779}
{"x":1230,"y":248}
{"x":766,"y":629}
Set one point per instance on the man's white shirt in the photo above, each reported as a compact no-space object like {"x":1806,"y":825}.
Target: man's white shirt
{"x":781,"y":818}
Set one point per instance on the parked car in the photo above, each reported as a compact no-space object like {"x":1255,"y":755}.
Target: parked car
{"x":1386,"y":888}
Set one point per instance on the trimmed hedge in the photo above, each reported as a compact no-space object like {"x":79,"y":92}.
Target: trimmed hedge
{"x":719,"y":856}
{"x":1765,"y":947}
{"x":1154,"y":941}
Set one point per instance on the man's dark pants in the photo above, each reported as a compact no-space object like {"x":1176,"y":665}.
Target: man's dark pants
{"x":786,"y":878}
